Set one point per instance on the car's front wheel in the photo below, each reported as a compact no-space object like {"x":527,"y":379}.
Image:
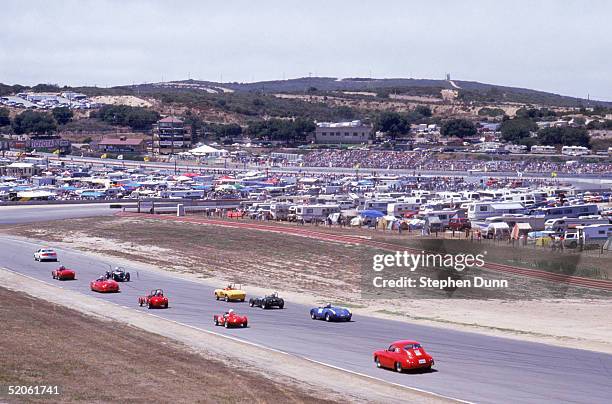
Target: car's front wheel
{"x":226,"y":324}
{"x":377,"y":362}
{"x":398,"y":367}
{"x":312,"y":316}
{"x":251,"y":303}
{"x":226,"y":298}
{"x":327,"y":317}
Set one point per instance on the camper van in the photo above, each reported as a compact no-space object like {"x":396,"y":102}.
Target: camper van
{"x":313,"y":213}
{"x":483,"y":210}
{"x":566,"y":223}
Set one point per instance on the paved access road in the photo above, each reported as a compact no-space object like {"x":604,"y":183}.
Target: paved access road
{"x":469,"y":366}
{"x":37,"y":213}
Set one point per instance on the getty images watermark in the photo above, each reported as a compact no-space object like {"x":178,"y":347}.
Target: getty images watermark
{"x":399,"y":270}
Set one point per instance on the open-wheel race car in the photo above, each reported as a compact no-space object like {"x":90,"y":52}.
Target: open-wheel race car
{"x":63,"y":274}
{"x":154,"y":300}
{"x":331,"y":313}
{"x":268,"y":301}
{"x":231,"y":292}
{"x":230,"y":319}
{"x":103,"y":285}
{"x":403,"y":355}
{"x":118,"y":274}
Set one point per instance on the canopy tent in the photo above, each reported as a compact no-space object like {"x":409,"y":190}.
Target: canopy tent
{"x":371,"y":214}
{"x":208,"y":151}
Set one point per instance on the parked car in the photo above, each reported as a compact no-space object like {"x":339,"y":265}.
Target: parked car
{"x":104,"y":285}
{"x":231,"y":292}
{"x":268,"y":301}
{"x":331,"y":313}
{"x":154,"y":300}
{"x":118,"y":274}
{"x":63,"y":274}
{"x":45,"y":254}
{"x":231,"y":319}
{"x":403,"y":355}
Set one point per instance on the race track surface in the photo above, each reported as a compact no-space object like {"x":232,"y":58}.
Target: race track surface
{"x":469,"y":366}
{"x":38,"y":213}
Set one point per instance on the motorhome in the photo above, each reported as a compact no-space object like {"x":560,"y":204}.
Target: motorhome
{"x":280,"y":211}
{"x":312,"y":213}
{"x":566,"y":211}
{"x":526,"y":199}
{"x":543,"y":150}
{"x":575,"y":151}
{"x":380,"y":205}
{"x":399,"y":208}
{"x":588,"y":236}
{"x":483,"y":210}
{"x":443,"y":216}
{"x":566,"y":223}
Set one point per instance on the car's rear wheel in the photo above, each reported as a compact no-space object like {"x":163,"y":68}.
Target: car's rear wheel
{"x":226,"y":298}
{"x":140,"y":303}
{"x":216,"y":322}
{"x":251,"y":303}
{"x":244,"y":325}
{"x":398,"y":367}
{"x":312,"y":316}
{"x":150,"y":306}
{"x":377,"y":362}
{"x":217,"y":296}
{"x":264,"y":305}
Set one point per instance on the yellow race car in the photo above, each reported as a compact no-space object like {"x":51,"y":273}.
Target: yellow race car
{"x":231,"y":292}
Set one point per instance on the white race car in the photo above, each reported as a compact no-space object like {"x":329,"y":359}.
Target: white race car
{"x":45,"y":254}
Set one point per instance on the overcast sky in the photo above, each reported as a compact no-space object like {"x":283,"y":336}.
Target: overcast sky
{"x":559,"y":46}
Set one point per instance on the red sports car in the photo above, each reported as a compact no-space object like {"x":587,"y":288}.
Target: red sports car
{"x":63,"y":274}
{"x":154,"y":300}
{"x":403,"y":355}
{"x":231,"y":319}
{"x":104,"y":285}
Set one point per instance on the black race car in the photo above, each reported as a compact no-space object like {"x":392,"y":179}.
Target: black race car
{"x":118,"y":274}
{"x":267,"y":302}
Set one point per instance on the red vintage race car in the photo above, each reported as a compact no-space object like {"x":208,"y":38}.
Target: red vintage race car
{"x":103,"y":285}
{"x":231,"y":319}
{"x":235,"y":214}
{"x":154,"y":300}
{"x":63,"y":274}
{"x":403,"y":355}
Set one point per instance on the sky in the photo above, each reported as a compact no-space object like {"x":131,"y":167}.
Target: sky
{"x":559,"y":46}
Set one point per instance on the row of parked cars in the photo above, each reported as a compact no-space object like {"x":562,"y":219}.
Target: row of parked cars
{"x":400,"y":355}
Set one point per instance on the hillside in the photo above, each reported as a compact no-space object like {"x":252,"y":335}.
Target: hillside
{"x":468,"y":90}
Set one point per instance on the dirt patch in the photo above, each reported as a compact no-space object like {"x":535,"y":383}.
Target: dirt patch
{"x":103,"y":361}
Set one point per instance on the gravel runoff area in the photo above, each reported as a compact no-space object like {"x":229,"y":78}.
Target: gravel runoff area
{"x":101,"y":352}
{"x":308,"y":271}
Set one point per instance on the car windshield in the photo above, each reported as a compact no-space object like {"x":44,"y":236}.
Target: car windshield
{"x":412,"y":346}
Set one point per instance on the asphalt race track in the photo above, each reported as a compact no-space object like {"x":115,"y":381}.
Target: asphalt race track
{"x":38,"y":213}
{"x":469,"y":366}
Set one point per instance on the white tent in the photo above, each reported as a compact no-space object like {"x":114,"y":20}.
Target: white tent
{"x":208,"y":151}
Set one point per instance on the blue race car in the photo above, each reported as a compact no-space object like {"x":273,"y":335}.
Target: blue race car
{"x":330,"y":313}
